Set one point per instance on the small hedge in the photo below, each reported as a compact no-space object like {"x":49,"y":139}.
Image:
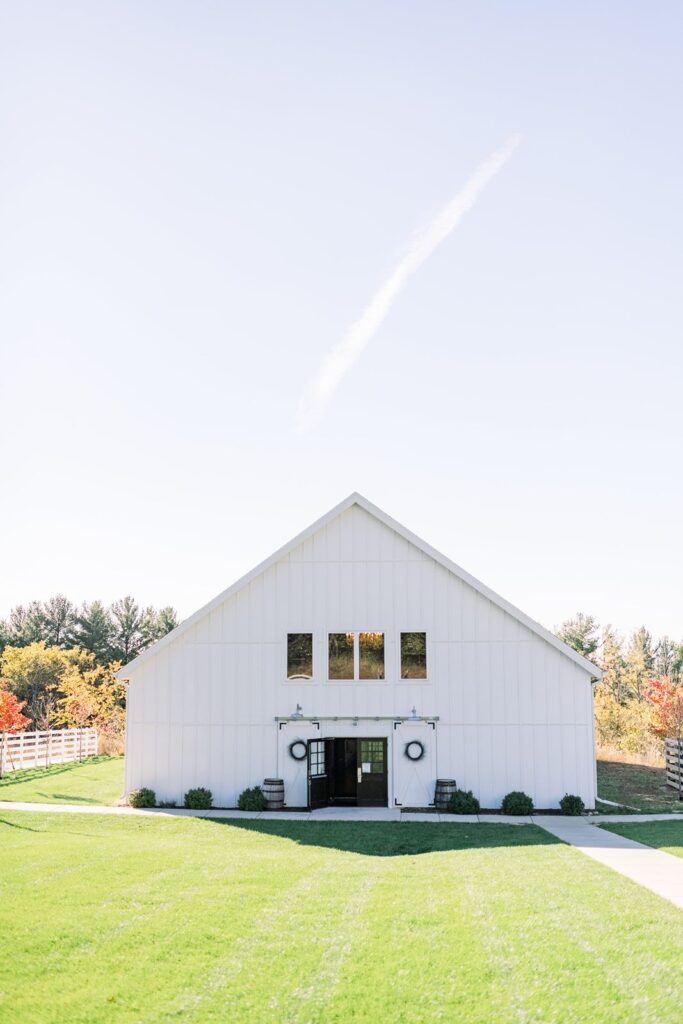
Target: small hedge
{"x":463,"y":801}
{"x":143,"y":798}
{"x":252,"y":800}
{"x":517,"y":802}
{"x":199,"y":799}
{"x":572,"y":804}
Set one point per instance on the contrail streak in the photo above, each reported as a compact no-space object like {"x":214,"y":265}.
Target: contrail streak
{"x":339,"y":361}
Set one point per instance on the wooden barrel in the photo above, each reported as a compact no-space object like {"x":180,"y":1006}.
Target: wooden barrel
{"x":274,"y":792}
{"x":445,"y":788}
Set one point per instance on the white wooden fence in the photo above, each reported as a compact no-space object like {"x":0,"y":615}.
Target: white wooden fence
{"x":673,"y":750}
{"x":34,"y":749}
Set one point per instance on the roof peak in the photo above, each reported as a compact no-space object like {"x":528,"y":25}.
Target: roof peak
{"x":356,"y":498}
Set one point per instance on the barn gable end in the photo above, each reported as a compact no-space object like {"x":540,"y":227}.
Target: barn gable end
{"x":505,"y":704}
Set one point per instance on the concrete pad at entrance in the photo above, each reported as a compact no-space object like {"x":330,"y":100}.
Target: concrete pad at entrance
{"x":356,"y":814}
{"x":458,"y":819}
{"x":506,"y":819}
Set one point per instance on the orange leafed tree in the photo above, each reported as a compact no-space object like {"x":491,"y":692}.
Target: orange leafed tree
{"x":11,"y":718}
{"x":666,"y":697}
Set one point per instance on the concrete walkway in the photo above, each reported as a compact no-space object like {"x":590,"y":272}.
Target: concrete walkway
{"x":660,"y":872}
{"x":324,"y":814}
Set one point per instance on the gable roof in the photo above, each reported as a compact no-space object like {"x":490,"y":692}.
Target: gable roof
{"x":392,"y":524}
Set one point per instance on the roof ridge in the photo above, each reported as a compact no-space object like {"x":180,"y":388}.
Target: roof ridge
{"x":356,"y":498}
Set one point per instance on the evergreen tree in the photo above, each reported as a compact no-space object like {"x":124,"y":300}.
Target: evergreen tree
{"x":677,"y":664}
{"x":665,"y":654}
{"x":26,"y":624}
{"x":167,"y":619}
{"x":155,"y":624}
{"x":58,"y":622}
{"x":94,"y":628}
{"x":581,"y":633}
{"x":128,"y":636}
{"x":639,"y":663}
{"x":612,"y":663}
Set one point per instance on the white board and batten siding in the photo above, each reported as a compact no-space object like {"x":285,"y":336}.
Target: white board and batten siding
{"x":514,"y":706}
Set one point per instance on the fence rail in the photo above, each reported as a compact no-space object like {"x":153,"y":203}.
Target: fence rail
{"x":33,"y":749}
{"x":673,"y":751}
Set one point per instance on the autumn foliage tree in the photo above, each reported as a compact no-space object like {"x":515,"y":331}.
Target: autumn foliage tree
{"x":666,"y":699}
{"x":11,"y":718}
{"x":89,"y":695}
{"x":640,"y":698}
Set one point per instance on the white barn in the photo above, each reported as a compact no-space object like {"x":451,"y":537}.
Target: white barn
{"x":359,"y":665}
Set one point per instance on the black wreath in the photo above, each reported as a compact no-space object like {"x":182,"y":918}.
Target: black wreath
{"x":298,"y":757}
{"x":413,"y":757}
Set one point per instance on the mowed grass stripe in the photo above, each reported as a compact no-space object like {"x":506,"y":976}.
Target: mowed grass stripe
{"x":184,"y":919}
{"x":180,"y":911}
{"x":406,"y":964}
{"x":298,"y":950}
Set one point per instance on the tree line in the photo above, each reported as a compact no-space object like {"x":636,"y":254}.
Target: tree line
{"x":640,"y":697}
{"x":58,"y":663}
{"x":118,"y":632}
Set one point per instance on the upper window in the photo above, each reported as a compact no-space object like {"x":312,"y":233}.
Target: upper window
{"x":356,"y":656}
{"x":299,"y":655}
{"x":371,"y":655}
{"x":341,"y":659}
{"x":413,"y":655}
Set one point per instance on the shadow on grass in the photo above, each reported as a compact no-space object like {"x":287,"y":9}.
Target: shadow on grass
{"x":43,"y":772}
{"x":69,"y":798}
{"x":395,"y":838}
{"x":45,"y":830}
{"x":23,"y":828}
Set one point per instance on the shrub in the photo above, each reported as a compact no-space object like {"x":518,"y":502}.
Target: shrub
{"x":252,"y":800}
{"x":571,"y":804}
{"x":143,"y":798}
{"x":517,"y":802}
{"x":463,"y":801}
{"x":167,"y":803}
{"x":199,"y":799}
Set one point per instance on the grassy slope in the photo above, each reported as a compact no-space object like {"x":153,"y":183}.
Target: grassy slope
{"x":97,"y":780}
{"x":664,"y":835}
{"x":122,"y":920}
{"x":640,"y":785}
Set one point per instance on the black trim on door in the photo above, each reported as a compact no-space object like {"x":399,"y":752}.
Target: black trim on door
{"x":318,"y":773}
{"x":373,"y":772}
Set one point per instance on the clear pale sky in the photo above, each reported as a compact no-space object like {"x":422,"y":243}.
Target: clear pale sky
{"x":197,"y":200}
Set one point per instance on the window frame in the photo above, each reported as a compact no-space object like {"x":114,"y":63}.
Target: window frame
{"x":356,"y":633}
{"x":306,"y":681}
{"x":316,"y":747}
{"x":410,"y":680}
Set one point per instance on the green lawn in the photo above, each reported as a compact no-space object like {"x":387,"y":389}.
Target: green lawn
{"x":97,"y":780}
{"x":664,"y":835}
{"x":113,"y":920}
{"x":639,"y":785}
